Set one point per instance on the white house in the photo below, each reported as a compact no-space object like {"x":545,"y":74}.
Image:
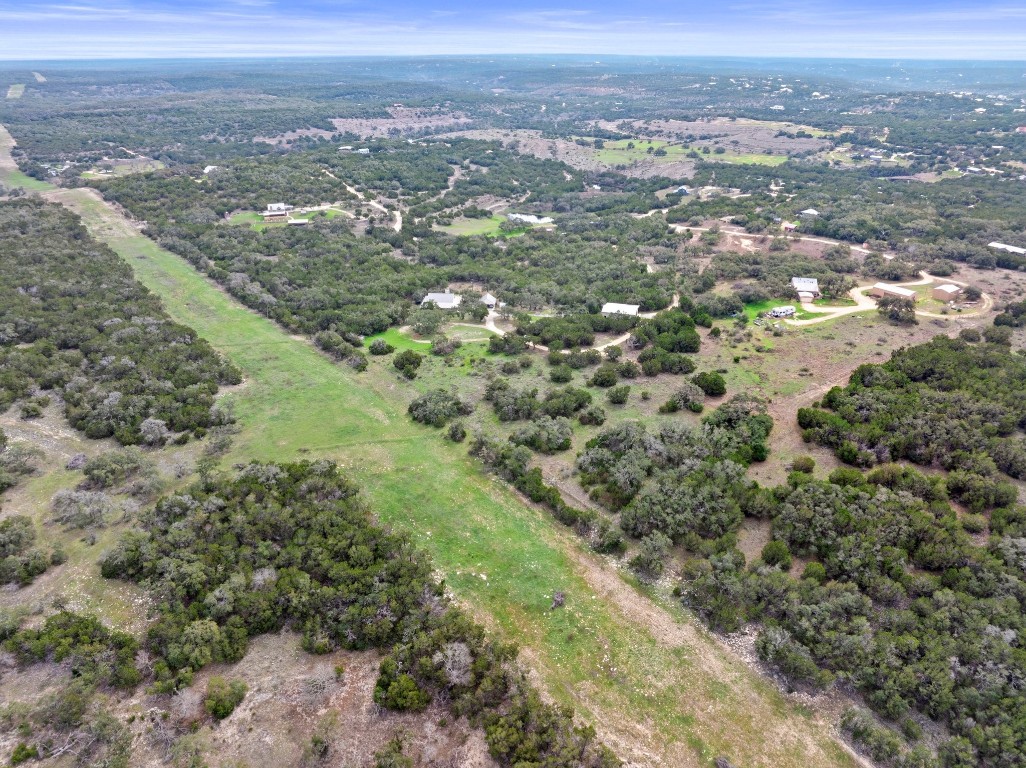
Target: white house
{"x":809,"y":213}
{"x":529,"y":218}
{"x":1008,"y":248}
{"x":489,"y":301}
{"x":612,"y":308}
{"x":278,"y":207}
{"x":807,"y":287}
{"x":442,"y":300}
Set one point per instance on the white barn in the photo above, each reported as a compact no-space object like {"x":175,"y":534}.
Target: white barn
{"x":612,"y":308}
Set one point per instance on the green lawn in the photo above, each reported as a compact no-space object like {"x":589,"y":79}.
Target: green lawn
{"x":754,"y":309}
{"x":680,"y":703}
{"x":16,"y":91}
{"x":469,"y":227}
{"x":10,"y":176}
{"x":398,"y":340}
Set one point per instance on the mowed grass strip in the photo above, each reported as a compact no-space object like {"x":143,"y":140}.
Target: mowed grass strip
{"x":10,"y":176}
{"x":656,"y":699}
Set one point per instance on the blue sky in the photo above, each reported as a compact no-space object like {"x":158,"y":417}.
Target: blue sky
{"x":958,"y":29}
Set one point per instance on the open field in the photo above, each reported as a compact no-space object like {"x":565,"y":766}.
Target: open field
{"x":123,"y":167}
{"x":658,"y":687}
{"x":39,"y":77}
{"x":468,"y":227}
{"x":16,"y":91}
{"x":10,"y":176}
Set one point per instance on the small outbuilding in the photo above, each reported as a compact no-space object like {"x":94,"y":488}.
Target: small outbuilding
{"x":947,"y":292}
{"x":612,"y":308}
{"x":444,"y":300}
{"x":880,"y":290}
{"x":809,"y":213}
{"x":489,"y":301}
{"x":785,"y":311}
{"x":789,"y":226}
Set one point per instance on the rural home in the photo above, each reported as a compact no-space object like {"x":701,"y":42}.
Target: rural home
{"x":612,"y":308}
{"x":947,"y":292}
{"x":886,"y":289}
{"x":785,"y":311}
{"x":489,"y":301}
{"x":529,"y":218}
{"x":274,"y":207}
{"x":789,"y":226}
{"x":1008,"y":248}
{"x":807,"y":287}
{"x":809,"y":213}
{"x":442,"y":300}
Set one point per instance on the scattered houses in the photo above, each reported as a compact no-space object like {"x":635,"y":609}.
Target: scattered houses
{"x":785,"y":311}
{"x":946,"y":292}
{"x":444,"y":300}
{"x":612,"y":308}
{"x":807,"y":287}
{"x":880,"y":290}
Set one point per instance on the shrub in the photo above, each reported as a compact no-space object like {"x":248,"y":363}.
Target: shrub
{"x":438,"y":407}
{"x":545,"y":434}
{"x":23,"y":753}
{"x":407,"y":362}
{"x":804,"y":464}
{"x":650,"y":561}
{"x":604,"y":376}
{"x":223,"y":696}
{"x":380,"y":347}
{"x":457,"y":432}
{"x":711,"y":383}
{"x":593,"y":415}
{"x":561,"y":374}
{"x":397,"y":690}
{"x":688,"y":396}
{"x":618,"y":395}
{"x":777,"y":553}
{"x":815,"y":572}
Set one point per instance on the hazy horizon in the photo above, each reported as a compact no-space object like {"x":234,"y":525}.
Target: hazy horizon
{"x":955,"y":30}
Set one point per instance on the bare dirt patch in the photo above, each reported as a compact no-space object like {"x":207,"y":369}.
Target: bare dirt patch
{"x":403,"y":121}
{"x":293,"y":695}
